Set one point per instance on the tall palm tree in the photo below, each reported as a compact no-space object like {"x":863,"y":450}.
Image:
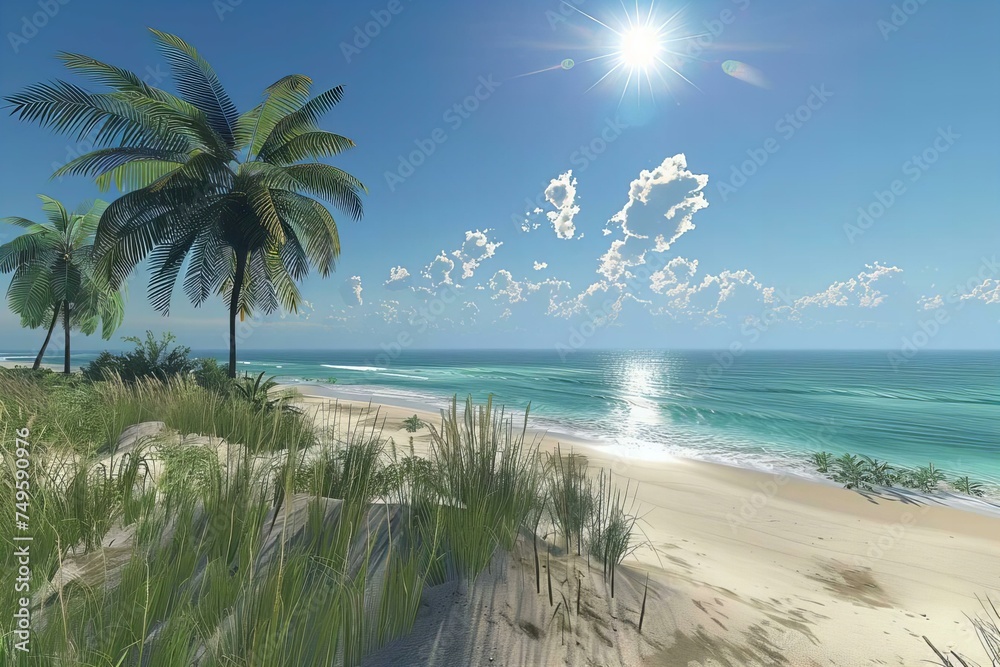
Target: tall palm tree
{"x":228,"y":194}
{"x":55,"y":274}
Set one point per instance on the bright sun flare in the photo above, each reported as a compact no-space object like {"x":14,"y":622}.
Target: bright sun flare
{"x":644,"y":49}
{"x":640,"y":47}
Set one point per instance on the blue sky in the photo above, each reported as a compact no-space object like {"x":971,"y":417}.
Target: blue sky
{"x":714,"y":212}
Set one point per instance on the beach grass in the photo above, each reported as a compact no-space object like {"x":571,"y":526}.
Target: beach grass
{"x":286,"y":545}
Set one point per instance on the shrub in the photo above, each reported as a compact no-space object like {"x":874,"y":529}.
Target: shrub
{"x":851,"y":472}
{"x":412,"y":424}
{"x":151,"y":358}
{"x":257,"y":392}
{"x":879,"y":472}
{"x":968,"y":487}
{"x":927,"y":478}
{"x":214,"y":377}
{"x":822,"y":461}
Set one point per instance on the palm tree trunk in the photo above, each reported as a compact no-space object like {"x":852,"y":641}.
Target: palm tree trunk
{"x":48,"y":337}
{"x":234,"y":306}
{"x":66,"y":334}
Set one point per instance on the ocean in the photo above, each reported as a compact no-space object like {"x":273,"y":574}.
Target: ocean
{"x":762,"y":409}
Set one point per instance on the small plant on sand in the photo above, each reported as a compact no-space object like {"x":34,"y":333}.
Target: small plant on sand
{"x":257,"y":392}
{"x":412,"y":424}
{"x":822,"y":461}
{"x":879,"y":473}
{"x":612,"y":525}
{"x":488,"y":479}
{"x":928,"y":478}
{"x":571,"y":496}
{"x":968,"y":487}
{"x":851,"y":471}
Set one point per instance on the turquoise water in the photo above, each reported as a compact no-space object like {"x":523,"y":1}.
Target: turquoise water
{"x":762,"y":409}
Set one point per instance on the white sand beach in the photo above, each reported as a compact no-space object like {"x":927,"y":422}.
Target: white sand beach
{"x":745,"y":568}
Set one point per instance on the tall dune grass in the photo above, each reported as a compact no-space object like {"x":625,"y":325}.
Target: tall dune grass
{"x":284,"y":548}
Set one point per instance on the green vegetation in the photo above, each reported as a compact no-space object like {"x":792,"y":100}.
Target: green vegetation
{"x":276,"y":553}
{"x":412,"y":424}
{"x":822,"y":461}
{"x":228,"y":195}
{"x":968,"y":487}
{"x":865,"y":473}
{"x":257,"y":392}
{"x":54,"y":275}
{"x":151,"y":359}
{"x":571,"y":496}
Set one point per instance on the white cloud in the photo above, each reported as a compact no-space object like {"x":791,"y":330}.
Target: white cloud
{"x":660,"y":207}
{"x":505,"y":287}
{"x":397,"y":275}
{"x":859,"y":291}
{"x":474,"y":250}
{"x":438,"y":272}
{"x":541,"y":265}
{"x":988,"y":292}
{"x":669,"y":183}
{"x":355,"y":285}
{"x":561,"y":193}
{"x":930,"y":302}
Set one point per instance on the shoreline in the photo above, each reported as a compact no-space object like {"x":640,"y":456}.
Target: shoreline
{"x":988,"y":506}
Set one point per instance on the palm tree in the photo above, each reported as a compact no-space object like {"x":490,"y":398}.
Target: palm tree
{"x":54,"y":274}
{"x":229,"y":194}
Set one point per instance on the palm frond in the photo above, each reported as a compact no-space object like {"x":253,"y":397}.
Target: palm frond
{"x":68,"y":109}
{"x":334,"y":185}
{"x":313,"y":225}
{"x":101,"y":161}
{"x":314,"y":145}
{"x":199,"y":85}
{"x":25,"y":249}
{"x":55,"y":212}
{"x":303,"y":120}
{"x":282,"y":97}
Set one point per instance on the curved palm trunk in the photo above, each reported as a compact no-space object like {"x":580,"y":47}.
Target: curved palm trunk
{"x":48,"y":337}
{"x":234,"y":306}
{"x":66,"y":335}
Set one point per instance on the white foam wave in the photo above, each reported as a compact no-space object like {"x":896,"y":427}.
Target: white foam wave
{"x":371,"y":369}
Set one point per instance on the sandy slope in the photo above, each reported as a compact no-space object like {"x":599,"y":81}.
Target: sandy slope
{"x":745,"y":568}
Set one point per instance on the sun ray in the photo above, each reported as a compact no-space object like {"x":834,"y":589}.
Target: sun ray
{"x":643,"y":40}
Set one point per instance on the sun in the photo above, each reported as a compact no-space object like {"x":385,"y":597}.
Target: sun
{"x":640,"y":47}
{"x":644,"y":48}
